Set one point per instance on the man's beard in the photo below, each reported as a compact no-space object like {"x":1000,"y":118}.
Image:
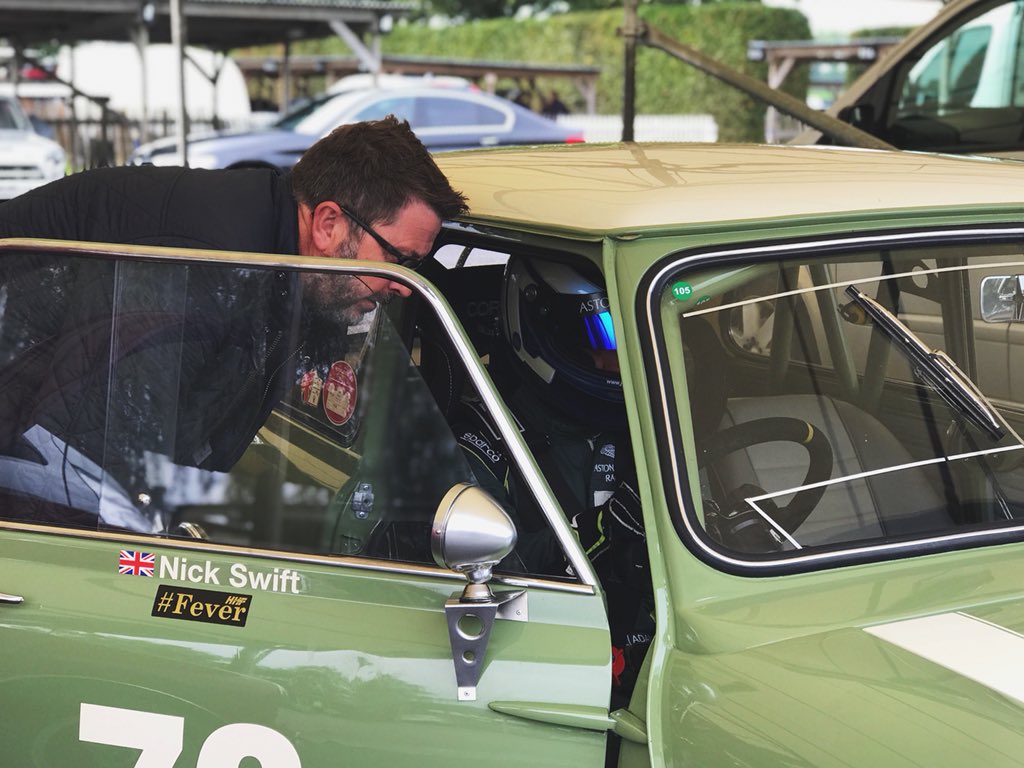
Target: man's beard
{"x":336,"y":298}
{"x":331,"y":301}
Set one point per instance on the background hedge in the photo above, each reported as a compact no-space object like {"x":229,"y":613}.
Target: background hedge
{"x":664,"y":84}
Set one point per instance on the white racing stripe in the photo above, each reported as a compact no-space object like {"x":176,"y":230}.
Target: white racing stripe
{"x":985,"y":653}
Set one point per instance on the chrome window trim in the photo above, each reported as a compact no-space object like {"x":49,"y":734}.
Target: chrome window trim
{"x":481,"y":381}
{"x":697,"y":535}
{"x":336,"y":561}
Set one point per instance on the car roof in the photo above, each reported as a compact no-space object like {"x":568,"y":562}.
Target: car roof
{"x":598,"y":189}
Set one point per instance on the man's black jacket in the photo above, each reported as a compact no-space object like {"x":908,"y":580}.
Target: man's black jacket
{"x":118,"y":358}
{"x":237,"y":210}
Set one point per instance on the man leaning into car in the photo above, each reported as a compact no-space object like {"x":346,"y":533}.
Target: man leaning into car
{"x":366,"y":191}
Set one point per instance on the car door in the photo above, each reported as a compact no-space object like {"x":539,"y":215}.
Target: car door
{"x":215,"y":524}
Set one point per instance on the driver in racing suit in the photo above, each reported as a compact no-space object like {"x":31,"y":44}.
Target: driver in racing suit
{"x":558,"y":371}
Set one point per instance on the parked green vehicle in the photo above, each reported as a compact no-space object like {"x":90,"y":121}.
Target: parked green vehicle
{"x":822,"y":375}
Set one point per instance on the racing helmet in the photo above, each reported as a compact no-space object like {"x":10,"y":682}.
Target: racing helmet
{"x":557,"y":324}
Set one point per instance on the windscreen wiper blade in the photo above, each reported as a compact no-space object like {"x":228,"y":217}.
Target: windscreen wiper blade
{"x":934,"y":366}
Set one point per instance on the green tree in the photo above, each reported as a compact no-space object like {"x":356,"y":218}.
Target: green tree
{"x":492,"y":9}
{"x":664,"y":85}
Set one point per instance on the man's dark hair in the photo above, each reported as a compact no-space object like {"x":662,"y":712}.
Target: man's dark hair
{"x":374,"y":168}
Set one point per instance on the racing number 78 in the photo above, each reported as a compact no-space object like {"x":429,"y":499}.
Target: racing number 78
{"x":160,"y":738}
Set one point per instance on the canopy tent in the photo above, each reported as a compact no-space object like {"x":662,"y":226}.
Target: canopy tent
{"x":217,"y":24}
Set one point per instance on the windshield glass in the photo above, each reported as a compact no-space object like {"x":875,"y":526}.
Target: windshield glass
{"x":861,"y":400}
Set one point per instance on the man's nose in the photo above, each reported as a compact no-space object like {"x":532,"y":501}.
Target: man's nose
{"x":400,"y":288}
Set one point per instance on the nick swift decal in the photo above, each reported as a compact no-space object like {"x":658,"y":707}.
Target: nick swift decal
{"x":191,"y":604}
{"x":208,"y":573}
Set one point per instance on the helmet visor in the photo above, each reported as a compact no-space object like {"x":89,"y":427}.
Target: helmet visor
{"x":600,"y":332}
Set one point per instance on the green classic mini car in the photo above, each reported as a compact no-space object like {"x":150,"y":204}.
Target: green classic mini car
{"x":822,"y":371}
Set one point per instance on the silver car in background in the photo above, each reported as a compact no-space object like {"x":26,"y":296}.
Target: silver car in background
{"x":27,"y":160}
{"x":443,"y":118}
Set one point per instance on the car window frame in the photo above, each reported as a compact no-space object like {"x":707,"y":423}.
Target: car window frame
{"x":586,"y":579}
{"x":674,"y":461}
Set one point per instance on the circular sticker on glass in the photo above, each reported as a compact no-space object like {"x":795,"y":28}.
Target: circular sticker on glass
{"x":310,"y":386}
{"x":340,"y":393}
{"x":682,"y":291}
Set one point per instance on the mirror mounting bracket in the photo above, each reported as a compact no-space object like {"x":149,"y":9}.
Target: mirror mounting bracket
{"x":470,"y":615}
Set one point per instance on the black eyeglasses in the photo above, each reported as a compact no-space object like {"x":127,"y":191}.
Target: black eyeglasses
{"x":410,"y":262}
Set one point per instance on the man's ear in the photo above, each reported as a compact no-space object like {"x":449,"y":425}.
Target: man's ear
{"x":328,"y":228}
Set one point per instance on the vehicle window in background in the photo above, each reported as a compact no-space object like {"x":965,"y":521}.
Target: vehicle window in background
{"x":967,"y":90}
{"x":296,"y":115}
{"x":812,"y":422}
{"x":322,"y":114}
{"x":11,"y":117}
{"x":404,"y":108}
{"x":150,"y":398}
{"x":442,"y":111}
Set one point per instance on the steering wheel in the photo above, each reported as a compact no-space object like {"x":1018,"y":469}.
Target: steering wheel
{"x":769,"y":430}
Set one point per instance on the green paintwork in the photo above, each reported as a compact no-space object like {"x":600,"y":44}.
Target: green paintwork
{"x":629,"y":726}
{"x":354,"y":667}
{"x":354,"y":659}
{"x":588,"y":718}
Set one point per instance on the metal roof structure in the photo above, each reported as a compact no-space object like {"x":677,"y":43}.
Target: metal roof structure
{"x":484,"y":72}
{"x":217,"y":24}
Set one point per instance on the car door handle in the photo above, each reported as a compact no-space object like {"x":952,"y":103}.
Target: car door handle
{"x":12,"y":599}
{"x":621,"y":721}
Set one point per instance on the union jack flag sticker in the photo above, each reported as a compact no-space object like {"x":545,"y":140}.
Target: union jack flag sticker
{"x":132,"y":563}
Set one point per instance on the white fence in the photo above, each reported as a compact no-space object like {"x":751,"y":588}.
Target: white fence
{"x":597,"y":128}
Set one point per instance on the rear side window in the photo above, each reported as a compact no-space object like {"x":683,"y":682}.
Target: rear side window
{"x":440,"y":111}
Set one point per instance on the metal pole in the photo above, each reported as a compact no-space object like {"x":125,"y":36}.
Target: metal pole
{"x":286,"y":77}
{"x":630,"y":32}
{"x":179,"y":37}
{"x":842,"y":132}
{"x":141,"y":40}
